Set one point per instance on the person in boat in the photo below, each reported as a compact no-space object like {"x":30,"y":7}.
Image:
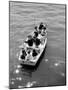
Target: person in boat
{"x":36,"y":40}
{"x":35,"y":28}
{"x":23,"y":54}
{"x":29,"y":41}
{"x":35,"y":34}
{"x":42,"y":29}
{"x":41,"y":26}
{"x":33,"y":39}
{"x":34,"y":53}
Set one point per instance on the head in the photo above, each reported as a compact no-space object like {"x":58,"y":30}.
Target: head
{"x":44,"y":27}
{"x":35,"y":27}
{"x":41,"y":23}
{"x":29,"y":37}
{"x":35,"y":34}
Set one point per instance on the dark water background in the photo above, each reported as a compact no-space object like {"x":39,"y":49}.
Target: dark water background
{"x":51,"y":69}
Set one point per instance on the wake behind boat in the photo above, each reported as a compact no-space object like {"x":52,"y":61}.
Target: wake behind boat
{"x":34,"y":46}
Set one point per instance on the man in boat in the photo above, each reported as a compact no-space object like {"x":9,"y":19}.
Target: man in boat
{"x":29,"y":41}
{"x":35,"y":28}
{"x":42,"y":29}
{"x":23,"y":54}
{"x":35,"y":34}
{"x":36,"y":40}
{"x":41,"y":26}
{"x":34,"y":53}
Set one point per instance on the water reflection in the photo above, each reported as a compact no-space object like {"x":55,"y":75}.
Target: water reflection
{"x":21,"y":77}
{"x":18,"y":78}
{"x":57,"y":64}
{"x":16,"y":71}
{"x":29,"y":84}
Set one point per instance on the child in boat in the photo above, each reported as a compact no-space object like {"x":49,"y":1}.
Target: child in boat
{"x":37,"y":42}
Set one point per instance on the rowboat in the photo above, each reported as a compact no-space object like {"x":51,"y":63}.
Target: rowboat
{"x":31,"y":51}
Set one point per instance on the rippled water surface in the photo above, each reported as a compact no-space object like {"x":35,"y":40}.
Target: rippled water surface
{"x":51,"y":69}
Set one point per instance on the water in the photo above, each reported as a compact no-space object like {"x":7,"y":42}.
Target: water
{"x":51,"y":69}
